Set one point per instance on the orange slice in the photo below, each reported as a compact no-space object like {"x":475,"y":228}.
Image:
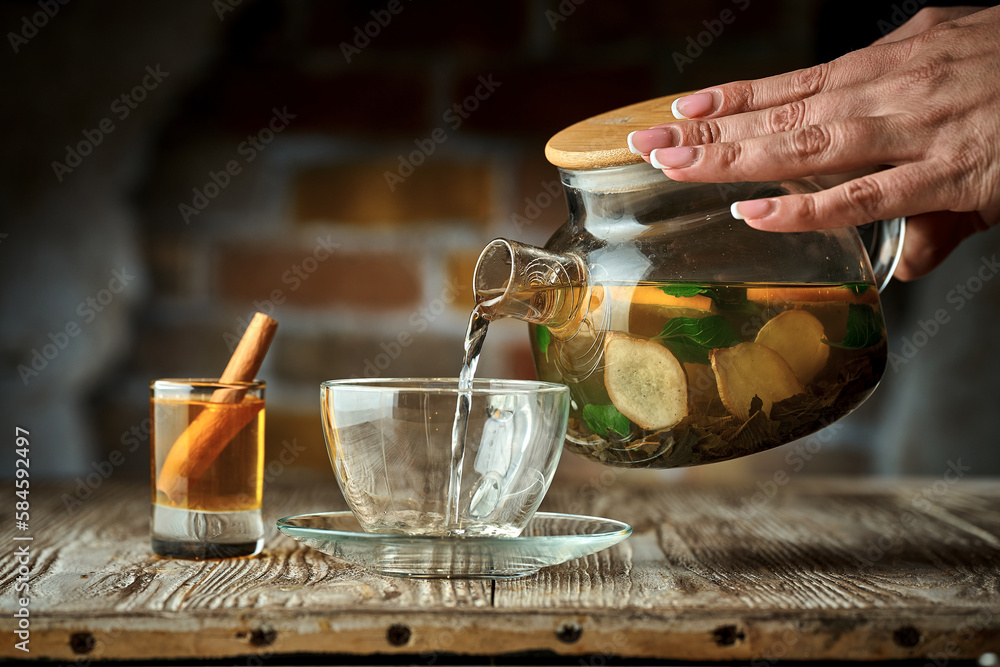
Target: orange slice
{"x":805,"y":294}
{"x":650,"y":295}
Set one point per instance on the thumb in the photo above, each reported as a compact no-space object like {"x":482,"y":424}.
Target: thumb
{"x":924,"y":20}
{"x":930,"y":237}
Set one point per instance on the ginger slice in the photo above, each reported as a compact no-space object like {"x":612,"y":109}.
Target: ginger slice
{"x":797,"y":335}
{"x":752,"y":369}
{"x":645,"y":381}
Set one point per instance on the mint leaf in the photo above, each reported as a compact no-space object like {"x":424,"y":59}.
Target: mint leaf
{"x":604,"y":418}
{"x":683,"y":289}
{"x":543,"y":338}
{"x":728,"y":296}
{"x":720,"y":294}
{"x":691,"y":338}
{"x":864,"y":328}
{"x":858,"y":288}
{"x":688,"y":352}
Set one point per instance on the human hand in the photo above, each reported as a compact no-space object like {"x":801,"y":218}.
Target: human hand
{"x":923,"y":100}
{"x":924,"y":20}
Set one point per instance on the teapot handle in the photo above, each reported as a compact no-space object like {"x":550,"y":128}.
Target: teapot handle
{"x":884,"y":243}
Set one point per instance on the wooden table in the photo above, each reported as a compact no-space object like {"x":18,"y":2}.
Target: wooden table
{"x":811,"y":569}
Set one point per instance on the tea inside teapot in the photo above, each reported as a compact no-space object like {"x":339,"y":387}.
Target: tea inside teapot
{"x":676,"y":373}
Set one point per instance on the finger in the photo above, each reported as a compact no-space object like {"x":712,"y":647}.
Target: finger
{"x":894,"y":193}
{"x":852,"y":102}
{"x":641,"y":142}
{"x":930,"y":238}
{"x":817,"y":149}
{"x":743,"y":96}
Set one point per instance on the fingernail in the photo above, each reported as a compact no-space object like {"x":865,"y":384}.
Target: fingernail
{"x":631,"y":146}
{"x":753,"y":209}
{"x":693,"y":106}
{"x":673,"y":158}
{"x":642,"y":142}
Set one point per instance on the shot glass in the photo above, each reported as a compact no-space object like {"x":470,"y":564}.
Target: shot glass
{"x":207,"y":458}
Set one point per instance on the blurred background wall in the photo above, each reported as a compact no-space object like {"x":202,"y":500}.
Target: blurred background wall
{"x":171,"y":167}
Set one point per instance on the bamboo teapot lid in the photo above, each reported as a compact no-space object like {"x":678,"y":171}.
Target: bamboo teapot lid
{"x":602,"y":141}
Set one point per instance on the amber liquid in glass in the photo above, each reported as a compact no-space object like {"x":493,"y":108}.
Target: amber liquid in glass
{"x":233,"y":482}
{"x":851,"y":351}
{"x":219,"y":514}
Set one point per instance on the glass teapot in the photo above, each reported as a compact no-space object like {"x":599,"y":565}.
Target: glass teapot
{"x":684,"y":335}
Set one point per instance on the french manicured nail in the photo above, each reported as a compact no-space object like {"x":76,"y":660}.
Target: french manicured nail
{"x":673,"y":158}
{"x":641,"y":142}
{"x":753,"y":209}
{"x":693,"y":106}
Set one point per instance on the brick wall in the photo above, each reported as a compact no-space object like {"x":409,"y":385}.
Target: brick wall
{"x":342,"y":169}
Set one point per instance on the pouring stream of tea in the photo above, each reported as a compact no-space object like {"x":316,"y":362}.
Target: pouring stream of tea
{"x":474,"y":338}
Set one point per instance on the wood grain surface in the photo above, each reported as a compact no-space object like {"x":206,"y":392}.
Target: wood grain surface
{"x":813,"y":569}
{"x":601,"y":141}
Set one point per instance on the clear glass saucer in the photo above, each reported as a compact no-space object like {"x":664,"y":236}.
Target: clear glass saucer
{"x":548,"y":539}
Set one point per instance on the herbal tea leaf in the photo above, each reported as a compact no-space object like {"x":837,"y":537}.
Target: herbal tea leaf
{"x":863,"y":328}
{"x":543,"y":338}
{"x":683,"y":289}
{"x":858,"y":288}
{"x":728,"y":296}
{"x":721,"y":294}
{"x":687,"y":352}
{"x":691,"y":338}
{"x":604,"y":418}
{"x":711,"y":331}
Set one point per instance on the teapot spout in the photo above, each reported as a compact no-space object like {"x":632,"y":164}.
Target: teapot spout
{"x":532,"y":284}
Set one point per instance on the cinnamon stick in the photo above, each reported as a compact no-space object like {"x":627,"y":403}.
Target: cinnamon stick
{"x":205,"y":438}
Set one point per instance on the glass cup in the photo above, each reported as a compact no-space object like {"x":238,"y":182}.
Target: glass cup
{"x":207,"y":458}
{"x":409,"y":463}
